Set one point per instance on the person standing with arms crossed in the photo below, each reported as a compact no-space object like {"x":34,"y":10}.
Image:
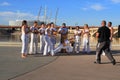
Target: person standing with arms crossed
{"x":42,"y":38}
{"x":86,"y":39}
{"x":53,"y":34}
{"x":48,"y":44}
{"x":24,"y":38}
{"x":34,"y":39}
{"x":77,"y":36}
{"x":103,"y":35}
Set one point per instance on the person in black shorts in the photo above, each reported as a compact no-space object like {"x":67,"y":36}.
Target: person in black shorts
{"x":103,"y":35}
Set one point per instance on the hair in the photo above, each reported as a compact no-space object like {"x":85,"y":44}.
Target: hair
{"x":118,"y":25}
{"x":86,"y":25}
{"x":24,"y":22}
{"x":52,"y":23}
{"x":42,"y":23}
{"x":35,"y":22}
{"x":77,"y":27}
{"x":110,"y":23}
{"x":64,"y":24}
{"x":104,"y":22}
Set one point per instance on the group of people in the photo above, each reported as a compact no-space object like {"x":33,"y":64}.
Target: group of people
{"x":48,"y":35}
{"x":47,"y":38}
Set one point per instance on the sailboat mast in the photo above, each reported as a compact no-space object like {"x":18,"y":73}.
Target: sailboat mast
{"x":49,"y":19}
{"x":45,"y":14}
{"x":38,"y":18}
{"x":56,"y":15}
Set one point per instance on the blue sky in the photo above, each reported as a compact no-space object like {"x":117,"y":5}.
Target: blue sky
{"x":71,"y":12}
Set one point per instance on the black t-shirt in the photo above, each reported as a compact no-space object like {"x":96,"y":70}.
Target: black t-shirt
{"x":104,"y":34}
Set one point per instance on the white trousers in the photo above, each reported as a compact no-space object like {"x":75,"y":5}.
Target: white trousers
{"x":53,"y":40}
{"x":42,"y":43}
{"x":86,"y":47}
{"x":76,"y":47}
{"x":25,"y":42}
{"x":48,"y":45}
{"x":68,"y":48}
{"x":33,"y":44}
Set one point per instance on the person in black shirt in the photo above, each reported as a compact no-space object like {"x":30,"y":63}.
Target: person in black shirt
{"x":103,"y":35}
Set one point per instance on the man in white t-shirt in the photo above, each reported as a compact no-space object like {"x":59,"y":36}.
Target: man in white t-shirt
{"x":77,"y":36}
{"x":42,"y":38}
{"x":34,"y":39}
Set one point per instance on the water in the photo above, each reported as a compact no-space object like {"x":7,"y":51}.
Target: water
{"x":16,"y":38}
{"x":9,"y":38}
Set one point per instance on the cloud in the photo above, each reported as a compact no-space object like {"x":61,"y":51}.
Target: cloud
{"x":15,"y":15}
{"x":97,"y":7}
{"x":85,"y":9}
{"x":116,"y":1}
{"x":5,"y":4}
{"x":9,"y":15}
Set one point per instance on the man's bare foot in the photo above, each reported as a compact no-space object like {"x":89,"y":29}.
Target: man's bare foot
{"x":23,"y":56}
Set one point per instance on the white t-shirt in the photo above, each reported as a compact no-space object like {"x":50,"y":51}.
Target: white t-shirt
{"x":47,"y":31}
{"x":77,"y":35}
{"x":33,"y":28}
{"x":42,"y":30}
{"x":52,"y":29}
{"x":63,"y":30}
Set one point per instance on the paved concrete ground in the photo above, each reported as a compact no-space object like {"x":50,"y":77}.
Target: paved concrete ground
{"x":12,"y":65}
{"x":64,"y":67}
{"x":75,"y":68}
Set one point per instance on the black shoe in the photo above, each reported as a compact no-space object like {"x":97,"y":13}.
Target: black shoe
{"x":97,"y":62}
{"x":113,"y":62}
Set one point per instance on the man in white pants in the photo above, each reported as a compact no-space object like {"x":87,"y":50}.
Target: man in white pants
{"x":34,"y":39}
{"x":77,"y":35}
{"x":24,"y":38}
{"x":48,"y":44}
{"x":42,"y":38}
{"x":53,"y":34}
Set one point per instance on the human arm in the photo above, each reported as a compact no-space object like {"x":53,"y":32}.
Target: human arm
{"x":111,"y":33}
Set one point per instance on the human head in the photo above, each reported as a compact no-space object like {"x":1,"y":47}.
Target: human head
{"x":103,"y":23}
{"x":43,"y":25}
{"x":64,"y":25}
{"x":24,"y":22}
{"x":85,"y":26}
{"x":35,"y":23}
{"x":109,"y":24}
{"x":77,"y":27}
{"x":52,"y":24}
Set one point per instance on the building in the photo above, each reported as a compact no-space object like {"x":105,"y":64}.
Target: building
{"x":19,"y":23}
